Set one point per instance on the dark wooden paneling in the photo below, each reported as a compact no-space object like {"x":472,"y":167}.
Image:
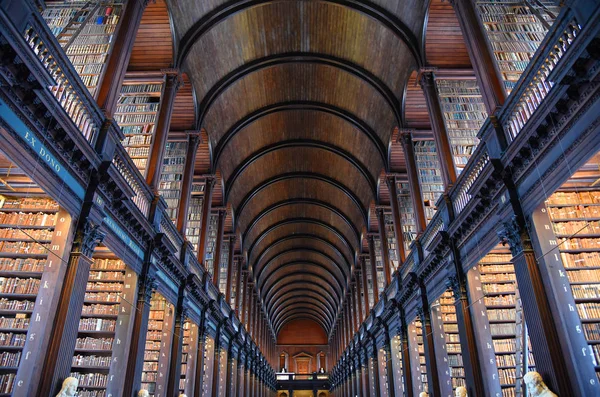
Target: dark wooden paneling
{"x":415,"y":107}
{"x":302,"y":332}
{"x":444,"y":44}
{"x":153,"y":48}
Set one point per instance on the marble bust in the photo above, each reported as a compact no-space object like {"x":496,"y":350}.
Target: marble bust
{"x":423,"y":394}
{"x":69,"y":387}
{"x":143,"y":393}
{"x":182,"y":395}
{"x":460,"y":391}
{"x":536,"y":386}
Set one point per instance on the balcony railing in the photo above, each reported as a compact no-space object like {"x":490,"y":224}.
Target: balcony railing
{"x":143,"y":197}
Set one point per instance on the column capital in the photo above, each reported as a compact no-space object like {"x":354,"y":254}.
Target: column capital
{"x":426,"y":76}
{"x":511,"y":232}
{"x":88,"y":238}
{"x":173,"y":76}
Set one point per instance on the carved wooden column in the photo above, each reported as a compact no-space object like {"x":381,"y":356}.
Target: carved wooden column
{"x":373,"y":367}
{"x":109,"y":86}
{"x":218,"y":245}
{"x":194,"y":139}
{"x":241,"y":370}
{"x":385,"y":251}
{"x":482,"y":59}
{"x":157,"y":149}
{"x":405,"y":354}
{"x":442,"y":142}
{"x":423,"y":312}
{"x":364,"y":372}
{"x":199,"y":375}
{"x":355,"y":304}
{"x":405,"y":138}
{"x":391,"y":183}
{"x":359,"y":280}
{"x":206,"y":209}
{"x":543,"y":334}
{"x":59,"y":357}
{"x":146,"y":286}
{"x":371,"y":241}
{"x":466,"y":329}
{"x":365,"y":285}
{"x":238,"y":287}
{"x":217,"y":360}
{"x":177,"y":342}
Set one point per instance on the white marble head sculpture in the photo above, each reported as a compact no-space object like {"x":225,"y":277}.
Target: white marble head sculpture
{"x":536,"y":386}
{"x":143,"y":393}
{"x":460,"y":391}
{"x":182,"y":395}
{"x":423,"y":394}
{"x":69,"y":387}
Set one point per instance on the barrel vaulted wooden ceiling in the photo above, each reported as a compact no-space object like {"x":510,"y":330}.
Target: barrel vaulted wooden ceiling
{"x":299,"y":102}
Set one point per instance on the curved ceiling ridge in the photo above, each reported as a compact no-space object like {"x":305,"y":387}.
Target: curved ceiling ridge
{"x":282,"y":296}
{"x":339,"y":282}
{"x":364,"y":7}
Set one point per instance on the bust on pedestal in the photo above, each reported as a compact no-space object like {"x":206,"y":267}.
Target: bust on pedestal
{"x":69,"y":387}
{"x":143,"y":393}
{"x":460,"y":391}
{"x":536,"y":386}
{"x":423,"y":394}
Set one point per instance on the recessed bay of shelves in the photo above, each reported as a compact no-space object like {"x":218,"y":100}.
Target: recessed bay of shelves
{"x":464,"y":115}
{"x":85,"y":30}
{"x":194,"y":221}
{"x":379,"y":264}
{"x":188,"y":357}
{"x":430,"y":175}
{"x":223,"y":262}
{"x":390,"y":234}
{"x":172,"y":176}
{"x":417,"y":357}
{"x":407,"y":214}
{"x":515,"y":29}
{"x":211,"y":242}
{"x":136,"y":114}
{"x":26,"y":232}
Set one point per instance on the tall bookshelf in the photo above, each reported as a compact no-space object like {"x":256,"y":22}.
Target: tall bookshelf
{"x":104,"y":318}
{"x":448,"y":353}
{"x":208,"y":360}
{"x":234,"y":279}
{"x":430,"y":175}
{"x":417,"y":357}
{"x":188,"y":357}
{"x":85,"y":30}
{"x":396,"y":361}
{"x":407,"y":214}
{"x":495,"y":297}
{"x":575,"y":218}
{"x":380,"y":276}
{"x":194,"y":221}
{"x":172,"y":176}
{"x":464,"y":115}
{"x":384,"y":383}
{"x":370,"y":284}
{"x":211,"y":242}
{"x":158,"y":340}
{"x":136,"y":114}
{"x":223,"y":262}
{"x":515,"y":30}
{"x":390,"y":234}
{"x":26,"y":233}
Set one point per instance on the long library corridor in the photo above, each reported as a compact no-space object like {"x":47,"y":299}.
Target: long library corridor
{"x":252,"y":198}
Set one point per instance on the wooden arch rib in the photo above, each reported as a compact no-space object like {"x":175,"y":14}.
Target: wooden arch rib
{"x":339,"y":282}
{"x":272,"y":283}
{"x":258,"y":268}
{"x":221,"y":13}
{"x":311,"y":280}
{"x":299,"y":294}
{"x":303,"y":175}
{"x":305,"y":201}
{"x":299,"y":311}
{"x":300,"y":57}
{"x":288,"y":303}
{"x":340,"y":236}
{"x":299,"y":288}
{"x":316,"y":304}
{"x":296,"y":143}
{"x":350,"y":118}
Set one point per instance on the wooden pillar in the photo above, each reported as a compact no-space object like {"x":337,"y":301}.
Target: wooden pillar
{"x":355,"y":305}
{"x":385,"y":250}
{"x":364,"y":373}
{"x":365,"y":285}
{"x":442,"y":142}
{"x":371,"y":241}
{"x":206,"y":208}
{"x":391,"y":182}
{"x":405,"y":138}
{"x":109,"y":86}
{"x":374,"y":369}
{"x":147,"y":285}
{"x":199,"y":375}
{"x":230,"y":270}
{"x":217,"y":361}
{"x":359,"y":280}
{"x":159,"y":140}
{"x":238,"y":289}
{"x":405,"y":354}
{"x":177,"y":343}
{"x":63,"y":337}
{"x":482,"y":59}
{"x":193,"y":141}
{"x":241,"y":370}
{"x":543,"y":334}
{"x":423,"y":311}
{"x":219,"y":244}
